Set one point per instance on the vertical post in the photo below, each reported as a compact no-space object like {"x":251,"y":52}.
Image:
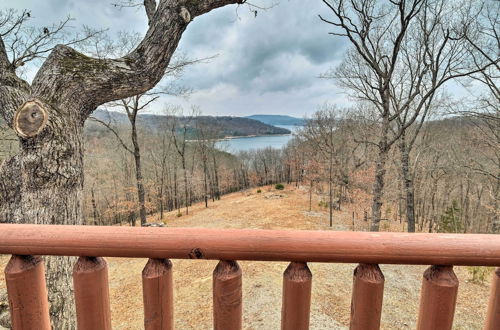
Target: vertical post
{"x":157,"y":286}
{"x":227,"y":296}
{"x":493,"y":316}
{"x":28,"y":302}
{"x":367,"y":297}
{"x":296,"y":306}
{"x":90,"y":281}
{"x":438,"y":298}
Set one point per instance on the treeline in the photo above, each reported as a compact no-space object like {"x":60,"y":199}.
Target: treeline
{"x":454,"y":164}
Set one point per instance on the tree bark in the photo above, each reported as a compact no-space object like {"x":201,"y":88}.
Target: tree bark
{"x":139,"y":178}
{"x":378,"y":185}
{"x":216,"y":178}
{"x":186,"y":186}
{"x":330,"y":189}
{"x":138,"y":167}
{"x":408,"y":185}
{"x":43,"y":184}
{"x":95,"y":213}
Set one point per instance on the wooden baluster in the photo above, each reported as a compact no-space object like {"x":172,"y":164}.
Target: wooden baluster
{"x":28,"y":302}
{"x":367,"y":297}
{"x":296,"y":306}
{"x":438,"y":298}
{"x":493,"y":316}
{"x":90,"y":281}
{"x":157,"y":286}
{"x":227,"y":296}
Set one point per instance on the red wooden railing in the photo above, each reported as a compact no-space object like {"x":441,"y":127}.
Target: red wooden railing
{"x":28,"y":294}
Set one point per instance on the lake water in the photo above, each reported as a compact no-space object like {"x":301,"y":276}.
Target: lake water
{"x":257,"y":142}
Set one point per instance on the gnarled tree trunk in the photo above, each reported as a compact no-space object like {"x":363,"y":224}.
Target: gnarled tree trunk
{"x":43,"y":184}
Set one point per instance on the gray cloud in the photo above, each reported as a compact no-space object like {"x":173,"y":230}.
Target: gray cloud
{"x":286,"y":44}
{"x":265,"y":64}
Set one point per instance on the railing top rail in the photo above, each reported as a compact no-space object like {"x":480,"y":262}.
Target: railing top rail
{"x":243,"y":244}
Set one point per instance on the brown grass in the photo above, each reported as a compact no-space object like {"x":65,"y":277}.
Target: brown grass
{"x":262,"y":280}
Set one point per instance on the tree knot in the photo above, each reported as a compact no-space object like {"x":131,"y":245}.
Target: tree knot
{"x":186,"y":16}
{"x":30,"y":119}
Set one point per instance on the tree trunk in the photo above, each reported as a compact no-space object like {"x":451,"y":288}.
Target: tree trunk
{"x":310,"y":195}
{"x":95,"y":213}
{"x":495,"y":223}
{"x":186,"y":188}
{"x":408,"y":185}
{"x":216,"y":178}
{"x":378,"y":188}
{"x":138,"y":174}
{"x":383,"y":154}
{"x":177,"y":203}
{"x":43,"y":184}
{"x":205,"y":179}
{"x":160,"y":201}
{"x":330,"y":189}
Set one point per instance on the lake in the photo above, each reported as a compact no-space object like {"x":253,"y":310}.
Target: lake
{"x":257,"y":142}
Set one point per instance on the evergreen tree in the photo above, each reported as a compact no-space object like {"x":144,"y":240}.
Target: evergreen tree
{"x":450,"y":221}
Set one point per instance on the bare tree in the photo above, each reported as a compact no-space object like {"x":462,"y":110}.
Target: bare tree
{"x":319,"y":133}
{"x":160,"y":166}
{"x":207,"y":134}
{"x":402,"y":53}
{"x":44,"y":182}
{"x":138,"y":103}
{"x":484,"y":41}
{"x":180,"y":130}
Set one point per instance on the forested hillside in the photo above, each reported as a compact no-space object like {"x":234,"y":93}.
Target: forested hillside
{"x":278,"y":120}
{"x":224,"y":126}
{"x":454,"y":176}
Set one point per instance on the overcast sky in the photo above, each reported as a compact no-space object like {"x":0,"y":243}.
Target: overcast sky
{"x":265,"y":64}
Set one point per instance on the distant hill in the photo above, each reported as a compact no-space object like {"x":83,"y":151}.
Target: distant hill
{"x":278,"y":119}
{"x":225,"y":126}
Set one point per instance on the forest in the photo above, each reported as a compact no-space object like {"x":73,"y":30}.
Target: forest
{"x":453,"y":164}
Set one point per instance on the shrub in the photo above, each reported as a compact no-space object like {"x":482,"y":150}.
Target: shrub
{"x":479,"y":274}
{"x":279,"y":186}
{"x":385,"y":226}
{"x":179,"y":215}
{"x":450,"y":221}
{"x":259,"y":191}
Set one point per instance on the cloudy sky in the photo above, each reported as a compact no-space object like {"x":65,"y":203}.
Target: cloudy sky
{"x":265,"y":64}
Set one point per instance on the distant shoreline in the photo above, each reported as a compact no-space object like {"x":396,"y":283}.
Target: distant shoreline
{"x":228,"y":138}
{"x":251,"y":136}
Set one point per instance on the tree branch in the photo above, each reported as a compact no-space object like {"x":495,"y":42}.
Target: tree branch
{"x":150,"y":6}
{"x":98,"y":81}
{"x":112,"y":130}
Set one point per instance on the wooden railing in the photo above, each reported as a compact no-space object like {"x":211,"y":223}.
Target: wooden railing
{"x":28,"y":294}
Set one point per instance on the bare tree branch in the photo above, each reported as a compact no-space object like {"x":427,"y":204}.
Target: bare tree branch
{"x":112,"y":130}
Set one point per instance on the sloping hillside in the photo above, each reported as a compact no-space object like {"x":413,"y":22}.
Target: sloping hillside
{"x":278,"y":120}
{"x":222,"y":126}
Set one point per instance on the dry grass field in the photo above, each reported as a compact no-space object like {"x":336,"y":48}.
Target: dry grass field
{"x":332,"y":283}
